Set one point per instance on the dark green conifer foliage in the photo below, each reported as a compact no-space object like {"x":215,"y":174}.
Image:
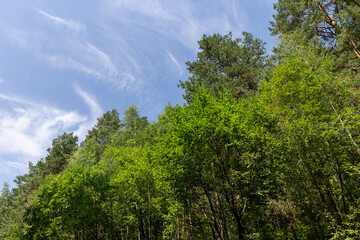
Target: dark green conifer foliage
{"x":335,"y":22}
{"x":224,"y":63}
{"x":62,"y":148}
{"x":132,"y":126}
{"x":106,"y":125}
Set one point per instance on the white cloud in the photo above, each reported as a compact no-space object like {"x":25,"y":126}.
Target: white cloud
{"x":73,"y":52}
{"x":95,"y":110}
{"x":28,"y":128}
{"x":101,"y":66}
{"x":102,"y":57}
{"x":10,"y":98}
{"x":175,"y":61}
{"x":17,"y":165}
{"x":63,"y":61}
{"x":15,"y":141}
{"x":185,"y":20}
{"x":90,"y":101}
{"x":71,"y":24}
{"x":151,"y":8}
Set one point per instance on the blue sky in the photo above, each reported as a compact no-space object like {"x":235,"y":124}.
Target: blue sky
{"x":64,"y":63}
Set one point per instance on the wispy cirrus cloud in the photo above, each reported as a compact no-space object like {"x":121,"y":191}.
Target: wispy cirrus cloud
{"x":102,"y":57}
{"x":184,"y":20}
{"x":93,"y":105}
{"x":151,"y":39}
{"x":95,"y":111}
{"x":176,"y":62}
{"x":113,"y":78}
{"x":70,"y":24}
{"x":72,"y":50}
{"x":137,"y":39}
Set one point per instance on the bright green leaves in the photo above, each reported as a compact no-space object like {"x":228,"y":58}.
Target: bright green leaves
{"x":111,"y":131}
{"x":133,"y":128}
{"x":22,"y":195}
{"x":318,"y":141}
{"x":110,"y":190}
{"x":298,"y":89}
{"x":218,"y":150}
{"x":137,"y":200}
{"x":70,"y":205}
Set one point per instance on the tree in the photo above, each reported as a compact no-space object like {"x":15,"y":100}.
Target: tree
{"x":106,"y":125}
{"x":225,"y":64}
{"x":23,"y":194}
{"x":218,"y":163}
{"x":318,"y":143}
{"x":336,"y":23}
{"x":132,"y":128}
{"x":98,"y":137}
{"x":62,"y":149}
{"x":138,"y":201}
{"x":6,"y":211}
{"x":69,"y":206}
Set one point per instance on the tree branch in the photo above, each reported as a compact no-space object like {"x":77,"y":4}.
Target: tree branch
{"x":347,"y":130}
{"x":331,"y":20}
{"x":352,"y":1}
{"x":356,"y":51}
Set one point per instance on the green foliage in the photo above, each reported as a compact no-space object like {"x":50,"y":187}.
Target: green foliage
{"x":225,"y":64}
{"x":138,"y":209}
{"x":279,"y":164}
{"x":5,"y":211}
{"x":97,"y":139}
{"x":131,"y":129}
{"x":14,"y":202}
{"x":106,"y":125}
{"x":69,"y":206}
{"x":319,"y":141}
{"x":336,"y":23}
{"x":217,"y":151}
{"x":62,"y":149}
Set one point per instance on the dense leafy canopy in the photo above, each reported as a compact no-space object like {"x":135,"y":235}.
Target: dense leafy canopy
{"x":279,"y":163}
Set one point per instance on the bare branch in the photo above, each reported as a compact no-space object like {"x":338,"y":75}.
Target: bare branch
{"x":347,"y":130}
